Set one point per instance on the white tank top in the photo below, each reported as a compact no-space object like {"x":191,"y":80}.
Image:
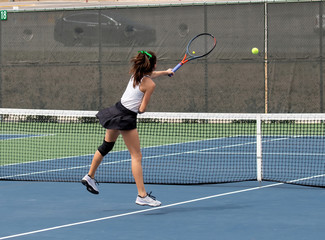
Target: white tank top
{"x":132,"y":97}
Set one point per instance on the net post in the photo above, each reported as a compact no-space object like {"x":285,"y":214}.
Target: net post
{"x":258,"y":148}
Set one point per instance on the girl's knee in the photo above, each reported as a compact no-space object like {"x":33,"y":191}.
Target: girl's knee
{"x":136,"y":157}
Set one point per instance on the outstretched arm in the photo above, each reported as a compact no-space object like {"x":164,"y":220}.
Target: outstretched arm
{"x":156,"y":74}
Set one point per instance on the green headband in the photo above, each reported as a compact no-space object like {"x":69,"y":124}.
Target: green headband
{"x":145,"y":52}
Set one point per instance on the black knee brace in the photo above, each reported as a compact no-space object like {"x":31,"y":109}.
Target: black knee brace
{"x":105,"y":148}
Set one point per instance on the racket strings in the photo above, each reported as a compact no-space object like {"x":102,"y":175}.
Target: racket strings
{"x":201,"y":45}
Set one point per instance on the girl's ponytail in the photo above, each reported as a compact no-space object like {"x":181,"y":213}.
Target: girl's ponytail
{"x":143,"y":63}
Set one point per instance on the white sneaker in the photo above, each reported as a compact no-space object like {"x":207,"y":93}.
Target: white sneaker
{"x":90,"y":184}
{"x":148,"y":200}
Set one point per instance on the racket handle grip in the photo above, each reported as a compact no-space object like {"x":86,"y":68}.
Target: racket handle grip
{"x":176,"y":68}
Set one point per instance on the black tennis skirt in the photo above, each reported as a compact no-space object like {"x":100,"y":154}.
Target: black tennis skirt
{"x":117,"y":117}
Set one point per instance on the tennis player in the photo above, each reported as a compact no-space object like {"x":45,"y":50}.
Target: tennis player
{"x":121,"y":119}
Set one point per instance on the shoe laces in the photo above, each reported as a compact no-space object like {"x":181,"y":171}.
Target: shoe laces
{"x":94,"y":180}
{"x":152,"y":197}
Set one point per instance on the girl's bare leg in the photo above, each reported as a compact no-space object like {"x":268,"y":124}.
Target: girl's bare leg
{"x":132,"y":141}
{"x":110,"y":136}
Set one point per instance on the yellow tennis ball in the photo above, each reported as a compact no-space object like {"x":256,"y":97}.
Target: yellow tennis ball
{"x":255,"y":50}
{"x":193,"y":52}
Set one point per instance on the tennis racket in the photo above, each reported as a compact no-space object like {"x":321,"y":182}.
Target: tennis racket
{"x":199,"y":46}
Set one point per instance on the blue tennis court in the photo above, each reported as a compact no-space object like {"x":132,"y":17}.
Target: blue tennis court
{"x":218,"y":211}
{"x":208,"y":185}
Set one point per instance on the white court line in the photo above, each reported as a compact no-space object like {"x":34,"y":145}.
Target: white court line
{"x":128,"y":160}
{"x":264,"y":153}
{"x":170,"y":144}
{"x":116,"y":162}
{"x":24,"y":136}
{"x":157,"y":156}
{"x":154,"y":209}
{"x":112,"y":152}
{"x":137,"y":212}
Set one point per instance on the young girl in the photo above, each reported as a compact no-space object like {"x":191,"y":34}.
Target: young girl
{"x":121,"y":119}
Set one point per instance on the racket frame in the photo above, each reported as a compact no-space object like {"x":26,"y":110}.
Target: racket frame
{"x":192,"y":57}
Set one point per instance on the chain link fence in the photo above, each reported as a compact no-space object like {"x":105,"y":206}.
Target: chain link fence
{"x":79,"y":59}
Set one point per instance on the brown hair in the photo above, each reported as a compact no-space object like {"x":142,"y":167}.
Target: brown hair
{"x":143,"y":63}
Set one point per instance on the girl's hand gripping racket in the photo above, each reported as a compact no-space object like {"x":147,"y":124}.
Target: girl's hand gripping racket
{"x":199,"y":46}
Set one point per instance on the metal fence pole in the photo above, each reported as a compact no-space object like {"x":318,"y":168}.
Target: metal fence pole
{"x":321,"y":84}
{"x":0,"y":64}
{"x":266,"y":57}
{"x":100,"y":58}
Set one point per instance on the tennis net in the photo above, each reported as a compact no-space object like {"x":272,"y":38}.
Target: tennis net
{"x":177,"y":148}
